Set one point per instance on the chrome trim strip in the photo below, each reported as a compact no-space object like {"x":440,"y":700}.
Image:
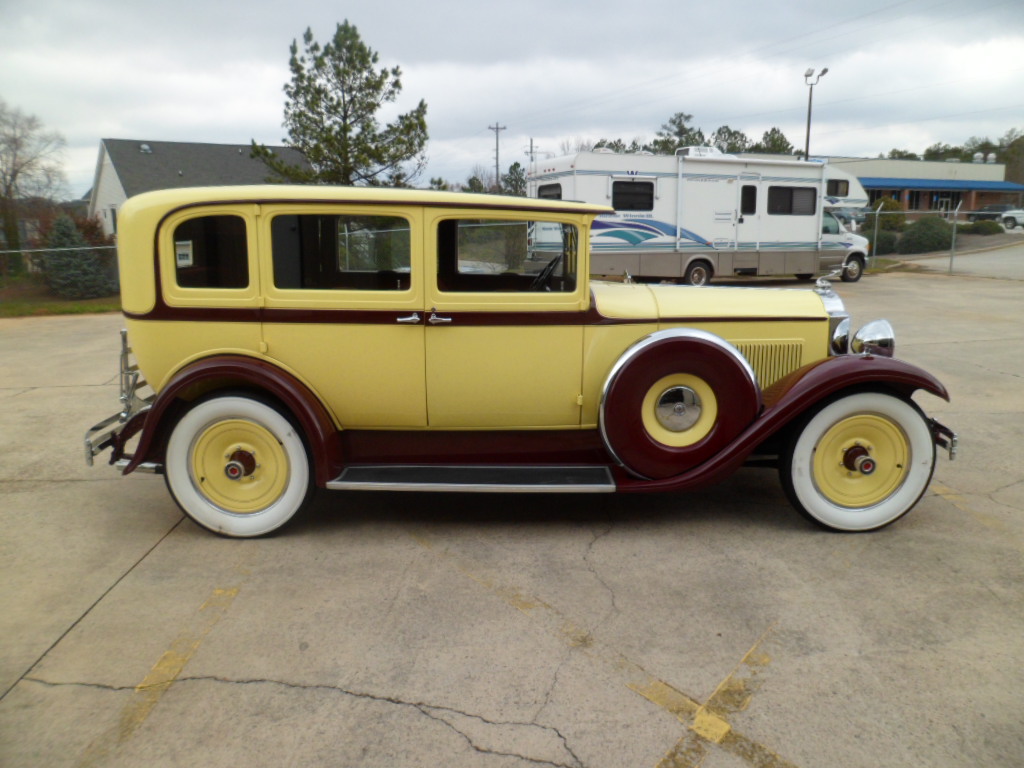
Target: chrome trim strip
{"x":339,"y":485}
{"x":150,"y":467}
{"x":449,"y":486}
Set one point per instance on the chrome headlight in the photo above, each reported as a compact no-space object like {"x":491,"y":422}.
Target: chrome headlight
{"x":838,"y":318}
{"x":840,"y":342}
{"x":875,"y":338}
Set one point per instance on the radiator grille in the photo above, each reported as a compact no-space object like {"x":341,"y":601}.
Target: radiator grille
{"x":771,"y":360}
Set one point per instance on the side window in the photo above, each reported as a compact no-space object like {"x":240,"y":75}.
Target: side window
{"x":792,"y":201}
{"x":506,"y":256}
{"x":838,"y":188}
{"x":549,"y":192}
{"x":633,"y":195}
{"x":318,"y":252}
{"x":829,"y":225}
{"x":211,"y":252}
{"x":748,"y":200}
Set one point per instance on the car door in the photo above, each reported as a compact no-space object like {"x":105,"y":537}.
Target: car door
{"x":504,"y":313}
{"x":344,"y":303}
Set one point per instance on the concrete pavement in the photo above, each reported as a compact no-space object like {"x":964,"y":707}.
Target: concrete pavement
{"x":716,"y":628}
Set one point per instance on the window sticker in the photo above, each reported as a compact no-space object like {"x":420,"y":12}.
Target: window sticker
{"x":183,"y":253}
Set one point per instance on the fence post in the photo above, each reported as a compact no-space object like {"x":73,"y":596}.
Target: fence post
{"x":952,"y":245}
{"x":874,"y":243}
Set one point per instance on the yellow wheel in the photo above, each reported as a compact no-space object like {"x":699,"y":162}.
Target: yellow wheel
{"x":237,"y":466}
{"x":860,"y":462}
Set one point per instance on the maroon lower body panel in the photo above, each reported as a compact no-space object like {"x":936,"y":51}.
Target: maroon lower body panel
{"x":575,"y":446}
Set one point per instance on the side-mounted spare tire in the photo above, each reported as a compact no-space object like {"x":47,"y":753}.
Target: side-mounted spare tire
{"x":674,"y":399}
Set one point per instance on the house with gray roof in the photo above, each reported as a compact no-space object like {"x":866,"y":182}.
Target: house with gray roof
{"x":128,"y":167}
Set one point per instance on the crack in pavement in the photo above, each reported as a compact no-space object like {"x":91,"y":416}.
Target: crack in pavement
{"x":435,"y":712}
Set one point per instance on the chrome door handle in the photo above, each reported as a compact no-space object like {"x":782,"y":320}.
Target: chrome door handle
{"x":410,"y":320}
{"x":435,"y":319}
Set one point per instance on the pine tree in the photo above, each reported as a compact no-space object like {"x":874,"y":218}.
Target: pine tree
{"x":77,"y":274}
{"x":330,"y":114}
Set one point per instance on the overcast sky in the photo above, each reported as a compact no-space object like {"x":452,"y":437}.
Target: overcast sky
{"x":902,"y":73}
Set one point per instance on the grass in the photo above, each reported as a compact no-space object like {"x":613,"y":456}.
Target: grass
{"x":26,"y":297}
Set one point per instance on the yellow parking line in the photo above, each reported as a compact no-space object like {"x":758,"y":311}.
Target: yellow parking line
{"x":162,"y":676}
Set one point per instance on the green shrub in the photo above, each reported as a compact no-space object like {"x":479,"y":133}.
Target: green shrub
{"x":982,"y":227}
{"x":891,"y":217}
{"x":77,"y":274}
{"x":926,"y":235}
{"x":886,"y":242}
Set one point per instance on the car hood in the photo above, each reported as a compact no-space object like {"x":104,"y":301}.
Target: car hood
{"x":689,"y":303}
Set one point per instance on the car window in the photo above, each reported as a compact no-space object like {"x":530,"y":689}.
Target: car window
{"x":316,"y":252}
{"x":211,"y":252}
{"x":829,"y":225}
{"x":506,"y":256}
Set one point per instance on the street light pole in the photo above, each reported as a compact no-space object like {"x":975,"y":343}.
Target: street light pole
{"x":810,"y":99}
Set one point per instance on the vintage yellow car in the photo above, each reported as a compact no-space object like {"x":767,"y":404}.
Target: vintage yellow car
{"x":284,"y":339}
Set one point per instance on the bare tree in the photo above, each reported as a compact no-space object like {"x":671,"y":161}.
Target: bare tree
{"x":574,"y":144}
{"x":29,"y":167}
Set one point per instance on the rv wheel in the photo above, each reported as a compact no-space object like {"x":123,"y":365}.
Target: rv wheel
{"x":698,"y":273}
{"x":853,"y":270}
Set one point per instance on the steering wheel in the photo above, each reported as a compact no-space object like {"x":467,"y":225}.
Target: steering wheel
{"x":540,"y":281}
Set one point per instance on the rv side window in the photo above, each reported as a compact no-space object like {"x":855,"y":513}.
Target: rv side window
{"x":838,"y":188}
{"x":633,"y":195}
{"x":748,"y":200}
{"x":549,"y":192}
{"x":792,"y":201}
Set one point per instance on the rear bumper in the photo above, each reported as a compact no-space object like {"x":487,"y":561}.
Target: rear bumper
{"x":114,"y":431}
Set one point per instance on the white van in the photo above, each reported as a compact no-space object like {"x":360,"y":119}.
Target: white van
{"x":701,"y":214}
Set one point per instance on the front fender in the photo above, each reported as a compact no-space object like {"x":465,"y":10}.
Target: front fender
{"x":792,"y":397}
{"x":234,"y":371}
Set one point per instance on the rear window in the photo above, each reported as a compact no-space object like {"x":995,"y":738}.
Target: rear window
{"x":211,"y":252}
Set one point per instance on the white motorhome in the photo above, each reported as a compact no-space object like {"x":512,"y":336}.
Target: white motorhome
{"x":702,"y":213}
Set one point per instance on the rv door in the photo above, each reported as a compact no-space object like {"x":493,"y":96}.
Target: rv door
{"x":748,"y":212}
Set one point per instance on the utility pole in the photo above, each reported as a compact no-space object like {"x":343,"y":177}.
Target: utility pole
{"x":497,"y":172}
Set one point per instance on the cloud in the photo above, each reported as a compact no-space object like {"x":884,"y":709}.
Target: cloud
{"x":905,"y":73}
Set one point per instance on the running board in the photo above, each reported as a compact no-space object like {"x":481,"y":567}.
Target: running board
{"x":475,"y":479}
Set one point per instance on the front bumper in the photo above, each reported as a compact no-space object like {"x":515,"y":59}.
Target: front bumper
{"x":114,"y":431}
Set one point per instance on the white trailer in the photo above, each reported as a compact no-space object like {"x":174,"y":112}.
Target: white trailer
{"x":702,"y":213}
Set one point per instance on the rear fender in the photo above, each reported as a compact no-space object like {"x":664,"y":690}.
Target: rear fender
{"x":232,"y":372}
{"x":791,"y":398}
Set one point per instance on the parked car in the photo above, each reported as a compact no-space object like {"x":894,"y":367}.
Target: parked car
{"x":993,"y":212}
{"x":1013,"y":217}
{"x":382,"y":339}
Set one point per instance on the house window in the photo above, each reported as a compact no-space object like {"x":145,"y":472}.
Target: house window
{"x":549,"y":192}
{"x":211,"y":252}
{"x":317,"y":252}
{"x":633,"y":195}
{"x":792,"y":201}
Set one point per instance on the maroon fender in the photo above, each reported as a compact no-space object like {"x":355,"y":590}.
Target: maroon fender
{"x":676,"y":351}
{"x":230,"y":371}
{"x":790,"y":398}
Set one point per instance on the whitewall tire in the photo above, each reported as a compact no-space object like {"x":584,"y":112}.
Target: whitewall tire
{"x":238,"y":466}
{"x":860,"y":462}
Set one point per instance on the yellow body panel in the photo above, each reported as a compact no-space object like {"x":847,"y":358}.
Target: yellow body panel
{"x":373,"y":372}
{"x":164,"y":347}
{"x":366,"y":375}
{"x":503,"y":377}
